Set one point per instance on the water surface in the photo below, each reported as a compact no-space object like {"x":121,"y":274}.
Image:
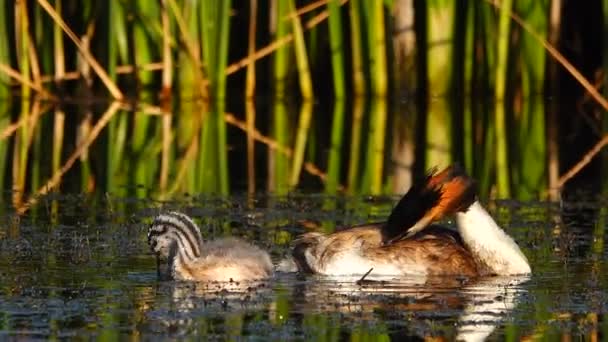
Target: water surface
{"x":76,"y":266}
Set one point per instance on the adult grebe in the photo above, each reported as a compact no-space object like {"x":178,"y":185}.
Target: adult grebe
{"x":408,"y":244}
{"x":174,"y":236}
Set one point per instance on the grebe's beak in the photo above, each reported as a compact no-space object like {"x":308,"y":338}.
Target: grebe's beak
{"x":436,"y":196}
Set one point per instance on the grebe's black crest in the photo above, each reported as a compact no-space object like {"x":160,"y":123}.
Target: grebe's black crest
{"x":435,"y":196}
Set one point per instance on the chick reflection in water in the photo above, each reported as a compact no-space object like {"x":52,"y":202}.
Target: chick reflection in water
{"x":175,"y":237}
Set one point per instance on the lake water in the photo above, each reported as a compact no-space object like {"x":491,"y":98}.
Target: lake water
{"x":87,"y":272}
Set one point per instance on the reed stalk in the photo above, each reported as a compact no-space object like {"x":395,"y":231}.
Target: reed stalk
{"x":469,"y":65}
{"x":86,"y":142}
{"x":281,"y":60}
{"x":58,"y":136}
{"x":117,"y":138}
{"x":468,"y":135}
{"x":376,"y":144}
{"x":117,"y":38}
{"x":5,"y":57}
{"x":278,"y":163}
{"x":439,"y":134}
{"x":302,"y":134}
{"x":336,"y":43}
{"x":356,"y":38}
{"x":22,"y":47}
{"x":215,"y":35}
{"x":502,"y":48}
{"x":250,"y":78}
{"x":405,"y":54}
{"x":5,"y":121}
{"x":335,"y":152}
{"x":487,"y":157}
{"x":532,"y":148}
{"x":188,"y":143}
{"x":167,"y":75}
{"x":377,"y":53}
{"x":355,"y":143}
{"x":59,"y":50}
{"x":167,"y":135}
{"x":529,"y":176}
{"x":604,"y":117}
{"x":83,"y":131}
{"x":403,"y":147}
{"x":20,"y":153}
{"x":301,"y":56}
{"x":250,"y":118}
{"x":99,"y":70}
{"x":148,"y":12}
{"x":440,"y":45}
{"x":215,"y":19}
{"x":208,"y":160}
{"x":139,"y":139}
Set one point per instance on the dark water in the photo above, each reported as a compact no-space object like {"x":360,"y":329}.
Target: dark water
{"x":87,"y":272}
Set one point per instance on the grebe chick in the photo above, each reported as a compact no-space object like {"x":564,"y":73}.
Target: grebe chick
{"x":409,"y":244}
{"x":174,"y":236}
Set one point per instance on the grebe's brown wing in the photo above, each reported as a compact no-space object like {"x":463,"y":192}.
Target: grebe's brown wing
{"x":437,"y":250}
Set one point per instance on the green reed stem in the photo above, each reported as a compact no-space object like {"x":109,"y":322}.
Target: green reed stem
{"x":335,"y":151}
{"x":117,"y":36}
{"x":355,"y":143}
{"x":282,"y":54}
{"x":502,"y":163}
{"x":440,"y":48}
{"x":5,"y":120}
{"x":438,"y":134}
{"x":300,"y":144}
{"x":250,"y":119}
{"x":376,"y":147}
{"x":250,"y":78}
{"x":487,"y":159}
{"x":468,"y":79}
{"x":58,"y":136}
{"x":189,"y":74}
{"x":215,"y":19}
{"x":279,"y":163}
{"x":42,"y":40}
{"x":377,"y":54}
{"x":530,"y":173}
{"x":357,"y":41}
{"x":146,"y":44}
{"x":22,"y":50}
{"x":141,"y":123}
{"x":336,"y":43}
{"x":301,"y":55}
{"x":531,"y":123}
{"x":117,"y":137}
{"x":604,"y":118}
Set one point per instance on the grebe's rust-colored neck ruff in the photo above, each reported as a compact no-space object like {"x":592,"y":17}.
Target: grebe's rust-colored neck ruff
{"x":175,"y":237}
{"x":437,"y":195}
{"x":409,"y":244}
